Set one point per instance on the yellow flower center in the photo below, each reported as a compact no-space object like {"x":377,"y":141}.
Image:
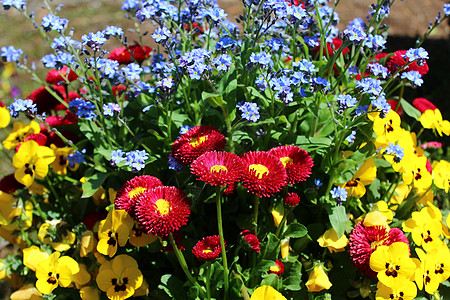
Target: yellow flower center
{"x":195,"y":142}
{"x":259,"y":170}
{"x":207,"y":250}
{"x":163,"y":206}
{"x":136,"y":191}
{"x":275,"y":268}
{"x":286,"y":160}
{"x":218,"y":168}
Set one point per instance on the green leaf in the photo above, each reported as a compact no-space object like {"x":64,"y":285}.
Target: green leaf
{"x":338,"y":219}
{"x":93,"y":183}
{"x":294,"y":230}
{"x":94,"y":134}
{"x":409,"y":109}
{"x":214,"y":99}
{"x":271,"y":247}
{"x":292,"y":283}
{"x":172,"y":286}
{"x":272,"y":280}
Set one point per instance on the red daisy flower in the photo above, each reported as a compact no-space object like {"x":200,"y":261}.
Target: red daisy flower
{"x":68,"y":119}
{"x":59,"y":76}
{"x":217,"y":168}
{"x":423,"y":104}
{"x":396,"y":61}
{"x":278,"y":268}
{"x":365,"y":240}
{"x":263,"y":173}
{"x":123,"y":56}
{"x":208,"y":248}
{"x":298,"y":162}
{"x":195,"y":142}
{"x":162,"y":210}
{"x":128,"y":194}
{"x":251,"y":239}
{"x":291,"y":199}
{"x":331,"y":47}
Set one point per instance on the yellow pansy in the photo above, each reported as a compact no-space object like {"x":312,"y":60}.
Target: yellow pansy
{"x":400,"y":194}
{"x":432,"y":119}
{"x":387,"y":129}
{"x":49,"y":234}
{"x":139,"y":238}
{"x":87,"y":244}
{"x":32,"y":256}
{"x":25,"y":215}
{"x":54,"y":271}
{"x":143,"y":290}
{"x":32,"y":161}
{"x":417,"y":173}
{"x":8,"y":209}
{"x":114,"y":231}
{"x":385,"y":211}
{"x":318,"y":280}
{"x":27,"y":292}
{"x":81,"y":278}
{"x":407,"y":144}
{"x":5,"y":117}
{"x":441,"y":175}
{"x":425,"y":228}
{"x":19,"y":133}
{"x":405,"y":290}
{"x":392,"y":263}
{"x":89,"y":293}
{"x":60,"y":163}
{"x":266,"y":292}
{"x":119,"y":277}
{"x":432,"y":268}
{"x":330,"y":240}
{"x":375,"y":218}
{"x":364,"y":176}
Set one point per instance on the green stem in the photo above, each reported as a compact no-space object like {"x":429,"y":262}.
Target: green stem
{"x":255,"y":214}
{"x":222,"y":241}
{"x":183,"y":264}
{"x":282,"y":223}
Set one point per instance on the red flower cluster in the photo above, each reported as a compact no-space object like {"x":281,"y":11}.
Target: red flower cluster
{"x":208,"y":248}
{"x":195,"y":142}
{"x":46,"y":102}
{"x":128,"y":194}
{"x":291,"y":199}
{"x":423,"y":104}
{"x":397,"y":61}
{"x":59,"y":77}
{"x":365,"y":240}
{"x":252,"y":240}
{"x":160,"y":209}
{"x":136,"y":53}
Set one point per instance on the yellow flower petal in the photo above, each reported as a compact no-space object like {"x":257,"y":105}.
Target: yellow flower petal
{"x":266,"y":292}
{"x":32,"y":256}
{"x":5,"y":117}
{"x":318,"y":280}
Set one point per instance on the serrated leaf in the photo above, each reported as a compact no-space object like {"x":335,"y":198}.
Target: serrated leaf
{"x":272,"y":280}
{"x":338,"y":219}
{"x":292,"y":283}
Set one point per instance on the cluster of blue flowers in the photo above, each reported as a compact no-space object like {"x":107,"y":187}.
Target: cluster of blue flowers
{"x":10,"y":54}
{"x":134,"y":159}
{"x":20,"y":105}
{"x":76,"y":158}
{"x":83,"y":109}
{"x":396,"y":151}
{"x":339,"y":193}
{"x":249,"y":110}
